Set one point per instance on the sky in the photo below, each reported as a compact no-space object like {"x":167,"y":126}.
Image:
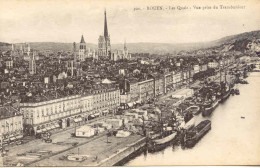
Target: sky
{"x":67,"y":20}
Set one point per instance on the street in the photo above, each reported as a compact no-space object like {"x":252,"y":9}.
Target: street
{"x":61,"y":141}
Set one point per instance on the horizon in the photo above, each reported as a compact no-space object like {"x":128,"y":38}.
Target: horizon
{"x":204,"y":42}
{"x":31,"y":22}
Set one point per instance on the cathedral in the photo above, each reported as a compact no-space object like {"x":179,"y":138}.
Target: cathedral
{"x":104,"y":46}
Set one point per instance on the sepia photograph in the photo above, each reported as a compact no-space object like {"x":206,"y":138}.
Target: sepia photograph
{"x":129,"y":83}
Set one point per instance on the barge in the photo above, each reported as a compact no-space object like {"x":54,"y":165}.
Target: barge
{"x":194,"y":135}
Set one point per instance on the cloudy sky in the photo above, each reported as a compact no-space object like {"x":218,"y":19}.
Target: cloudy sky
{"x":67,"y":20}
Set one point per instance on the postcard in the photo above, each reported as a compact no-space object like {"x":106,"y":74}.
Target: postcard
{"x":129,"y":83}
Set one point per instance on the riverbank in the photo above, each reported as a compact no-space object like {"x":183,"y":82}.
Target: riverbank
{"x":125,"y":154}
{"x":231,"y":141}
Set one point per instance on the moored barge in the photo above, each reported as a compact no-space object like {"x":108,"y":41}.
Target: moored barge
{"x":193,"y":136}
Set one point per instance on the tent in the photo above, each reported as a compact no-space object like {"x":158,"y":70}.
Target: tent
{"x":122,"y":133}
{"x":85,"y":131}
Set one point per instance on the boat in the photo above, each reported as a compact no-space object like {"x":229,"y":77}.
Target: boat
{"x":188,"y":116}
{"x":77,"y":157}
{"x":194,"y":135}
{"x":232,"y":92}
{"x":161,"y":143}
{"x":194,"y":109}
{"x":210,"y":107}
{"x":188,"y":125}
{"x":236,"y":91}
{"x":225,"y":96}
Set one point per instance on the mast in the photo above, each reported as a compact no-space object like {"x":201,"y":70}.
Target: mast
{"x":225,"y":76}
{"x":219,"y":73}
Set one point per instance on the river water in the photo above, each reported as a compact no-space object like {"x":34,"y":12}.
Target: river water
{"x":231,"y":140}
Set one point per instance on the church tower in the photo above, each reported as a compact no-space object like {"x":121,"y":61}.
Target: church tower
{"x":82,"y":49}
{"x":104,"y":46}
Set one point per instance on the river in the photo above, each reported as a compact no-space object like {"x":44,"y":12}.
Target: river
{"x":231,"y":140}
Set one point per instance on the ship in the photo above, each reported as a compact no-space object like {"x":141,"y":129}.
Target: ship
{"x":161,"y":143}
{"x":226,"y":90}
{"x":209,"y":107}
{"x":195,"y":134}
{"x":224,"y":96}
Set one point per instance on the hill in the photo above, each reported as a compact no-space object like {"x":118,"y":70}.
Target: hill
{"x":240,"y":42}
{"x":249,"y":41}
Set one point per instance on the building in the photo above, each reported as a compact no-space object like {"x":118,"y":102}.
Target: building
{"x":168,"y":81}
{"x":105,"y":100}
{"x":121,"y":54}
{"x":203,"y":67}
{"x":9,"y":63}
{"x":82,"y":49}
{"x":83,"y":52}
{"x":196,"y":68}
{"x":11,"y":125}
{"x":133,"y":90}
{"x":104,"y":46}
{"x":146,"y":90}
{"x":177,"y":80}
{"x":213,"y":64}
{"x":51,"y":114}
{"x":68,"y":111}
{"x":158,"y":84}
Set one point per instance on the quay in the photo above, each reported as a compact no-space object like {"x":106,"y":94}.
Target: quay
{"x":125,"y":154}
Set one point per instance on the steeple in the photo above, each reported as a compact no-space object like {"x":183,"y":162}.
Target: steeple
{"x":105,"y":26}
{"x":125,"y":45}
{"x":82,"y":39}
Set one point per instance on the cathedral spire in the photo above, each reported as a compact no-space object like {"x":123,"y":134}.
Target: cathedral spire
{"x":105,"y":26}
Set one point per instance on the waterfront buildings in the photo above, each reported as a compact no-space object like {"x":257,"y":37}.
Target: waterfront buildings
{"x":11,"y":125}
{"x":46,"y":115}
